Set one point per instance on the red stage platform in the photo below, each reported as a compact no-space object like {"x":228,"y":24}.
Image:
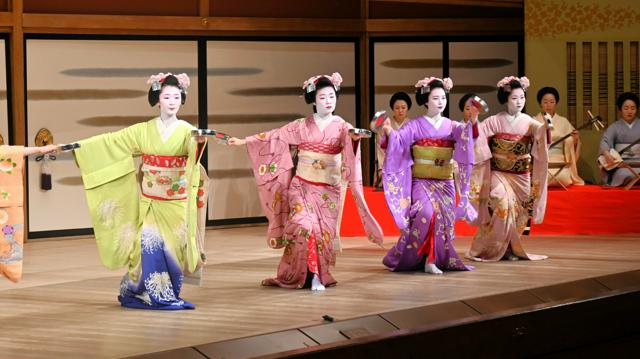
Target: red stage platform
{"x":579,"y":210}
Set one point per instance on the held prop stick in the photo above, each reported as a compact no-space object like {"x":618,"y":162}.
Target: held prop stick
{"x":222,"y":138}
{"x":68,"y":147}
{"x":360,"y":131}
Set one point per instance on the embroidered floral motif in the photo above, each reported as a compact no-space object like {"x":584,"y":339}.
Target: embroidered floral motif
{"x":273,"y":167}
{"x":319,"y":164}
{"x":159,"y":285}
{"x":150,"y":240}
{"x":182,"y":232}
{"x":200,"y":195}
{"x":7,"y":165}
{"x":5,"y":195}
{"x":126,"y":238}
{"x":109,"y":212}
{"x":405,"y":202}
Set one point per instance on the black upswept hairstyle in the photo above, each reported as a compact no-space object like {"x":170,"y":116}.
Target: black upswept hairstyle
{"x":423,"y":98}
{"x":545,"y":90}
{"x":464,"y":99}
{"x":624,"y":97}
{"x":154,"y":95}
{"x":400,"y":96}
{"x":503,"y":95}
{"x":321,"y":82}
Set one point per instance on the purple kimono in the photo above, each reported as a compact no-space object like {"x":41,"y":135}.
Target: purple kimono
{"x":424,"y":209}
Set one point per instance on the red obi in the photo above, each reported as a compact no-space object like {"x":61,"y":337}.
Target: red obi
{"x":431,"y":142}
{"x":320,"y":148}
{"x":164,"y":161}
{"x":164,"y":177}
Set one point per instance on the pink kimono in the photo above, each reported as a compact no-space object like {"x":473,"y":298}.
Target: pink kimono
{"x":302,"y":202}
{"x":508,"y":184}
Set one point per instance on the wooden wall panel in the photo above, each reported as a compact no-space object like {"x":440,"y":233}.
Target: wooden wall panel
{"x":634,"y":67}
{"x":603,"y":81}
{"x":618,"y":53}
{"x":114,"y":7}
{"x":328,"y":9}
{"x":571,"y":82}
{"x":587,"y":77}
{"x":398,"y":10}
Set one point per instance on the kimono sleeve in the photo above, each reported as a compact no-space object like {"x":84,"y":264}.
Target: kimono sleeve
{"x":111,"y":186}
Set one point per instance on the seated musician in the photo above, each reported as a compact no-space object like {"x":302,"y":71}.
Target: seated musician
{"x":619,"y":135}
{"x":568,"y":151}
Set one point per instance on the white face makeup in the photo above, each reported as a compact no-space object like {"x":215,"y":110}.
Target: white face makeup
{"x":325,"y":101}
{"x":516,"y":101}
{"x":170,"y":101}
{"x":629,"y":111}
{"x":548,"y":104}
{"x":437,"y":102}
{"x":400,"y":110}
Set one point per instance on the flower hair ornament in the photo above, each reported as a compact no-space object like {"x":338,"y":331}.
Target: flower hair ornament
{"x":425,"y":84}
{"x":310,"y":84}
{"x":156,"y":81}
{"x":505,"y":83}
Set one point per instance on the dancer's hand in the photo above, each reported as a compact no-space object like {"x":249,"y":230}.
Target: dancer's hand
{"x":576,"y":135}
{"x":236,"y":141}
{"x":48,"y":149}
{"x":608,"y":158}
{"x":386,"y":127}
{"x":200,"y":139}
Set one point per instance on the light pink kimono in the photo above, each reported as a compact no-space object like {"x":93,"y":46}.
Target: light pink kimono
{"x":303,"y":213}
{"x":504,"y":200}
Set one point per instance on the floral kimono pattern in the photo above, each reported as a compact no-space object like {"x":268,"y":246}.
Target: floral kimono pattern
{"x":303,"y":209}
{"x":424,"y":205}
{"x":11,"y":212}
{"x":508,"y":185}
{"x":154,"y":227}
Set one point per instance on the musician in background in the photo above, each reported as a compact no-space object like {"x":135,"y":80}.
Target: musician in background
{"x":620,"y":134}
{"x":400,"y":104}
{"x":566,"y":152}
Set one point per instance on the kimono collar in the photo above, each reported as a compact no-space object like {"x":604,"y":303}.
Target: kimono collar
{"x":630,"y":125}
{"x":166,"y":131}
{"x":436,"y":121}
{"x":512,"y":119}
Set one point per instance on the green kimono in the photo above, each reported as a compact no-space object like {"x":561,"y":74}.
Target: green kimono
{"x":157,"y":220}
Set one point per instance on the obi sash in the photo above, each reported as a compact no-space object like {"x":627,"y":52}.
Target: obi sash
{"x":319,"y":163}
{"x":511,"y":153}
{"x":164,"y":177}
{"x":432,"y":159}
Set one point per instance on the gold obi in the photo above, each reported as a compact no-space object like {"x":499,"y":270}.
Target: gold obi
{"x":432,"y":159}
{"x":511,"y":153}
{"x":164,"y":177}
{"x":319,"y":167}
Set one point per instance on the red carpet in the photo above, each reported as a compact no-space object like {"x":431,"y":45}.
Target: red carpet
{"x":580,"y":210}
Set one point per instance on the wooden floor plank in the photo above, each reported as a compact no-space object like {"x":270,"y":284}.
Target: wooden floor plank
{"x":66,"y":306}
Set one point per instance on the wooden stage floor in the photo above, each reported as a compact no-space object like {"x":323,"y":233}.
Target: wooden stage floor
{"x":66,"y":305}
